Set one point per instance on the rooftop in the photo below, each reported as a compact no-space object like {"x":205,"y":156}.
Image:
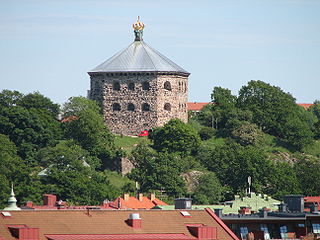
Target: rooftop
{"x":138,"y":57}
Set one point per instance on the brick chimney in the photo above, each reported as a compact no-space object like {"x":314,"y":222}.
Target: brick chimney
{"x":134,"y":220}
{"x":49,"y":200}
{"x":140,"y":197}
{"x":29,"y":204}
{"x":126,"y":196}
{"x":152,"y":196}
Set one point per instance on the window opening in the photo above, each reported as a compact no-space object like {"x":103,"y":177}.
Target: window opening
{"x":316,"y":227}
{"x":131,"y":86}
{"x":167,"y":107}
{"x":131,"y":107}
{"x":145,"y":107}
{"x":264,"y":228}
{"x":244,"y":232}
{"x":145,"y":85}
{"x":284,"y":232}
{"x":116,"y":86}
{"x":167,"y":85}
{"x":116,"y":107}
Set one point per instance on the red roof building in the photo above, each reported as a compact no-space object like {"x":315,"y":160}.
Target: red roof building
{"x":113,"y":224}
{"x":140,"y":202}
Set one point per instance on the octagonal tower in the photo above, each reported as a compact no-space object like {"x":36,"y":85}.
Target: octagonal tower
{"x":139,"y":88}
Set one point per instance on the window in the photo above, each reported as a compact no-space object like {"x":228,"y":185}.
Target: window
{"x":116,"y":86}
{"x":264,"y":228}
{"x":145,"y":86}
{"x":145,"y":107}
{"x":244,"y":232}
{"x":116,"y":107}
{"x":131,"y":86}
{"x":283,"y":232}
{"x":316,"y":227}
{"x":167,"y":85}
{"x":167,"y":107}
{"x":131,"y":107}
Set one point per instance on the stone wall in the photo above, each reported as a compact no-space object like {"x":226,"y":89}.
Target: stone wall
{"x":133,"y":102}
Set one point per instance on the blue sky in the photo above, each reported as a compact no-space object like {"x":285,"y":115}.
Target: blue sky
{"x":49,"y":45}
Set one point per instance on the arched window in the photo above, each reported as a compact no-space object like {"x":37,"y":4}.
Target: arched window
{"x":145,"y":107}
{"x":131,"y":86}
{"x":116,"y":86}
{"x":167,"y":107}
{"x":116,"y":107}
{"x":167,"y":85}
{"x":131,"y":107}
{"x":145,"y":85}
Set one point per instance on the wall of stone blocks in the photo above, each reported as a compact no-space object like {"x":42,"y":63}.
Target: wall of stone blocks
{"x":124,"y":121}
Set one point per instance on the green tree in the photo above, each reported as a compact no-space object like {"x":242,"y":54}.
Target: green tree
{"x":176,"y":136}
{"x":223,"y":102}
{"x":14,"y":170}
{"x":233,"y":163}
{"x":157,"y":171}
{"x":308,"y":170}
{"x":209,"y":190}
{"x":89,"y":130}
{"x":248,"y":134}
{"x":275,"y":112}
{"x":70,"y":177}
{"x":28,"y":122}
{"x":315,"y":109}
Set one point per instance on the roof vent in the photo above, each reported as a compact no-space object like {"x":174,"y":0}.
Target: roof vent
{"x":134,"y":216}
{"x":6,"y":214}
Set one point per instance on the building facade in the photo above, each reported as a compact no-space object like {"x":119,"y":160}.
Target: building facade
{"x":139,"y":88}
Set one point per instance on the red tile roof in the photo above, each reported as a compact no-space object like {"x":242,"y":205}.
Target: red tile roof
{"x":75,"y":224}
{"x":164,"y":236}
{"x":129,"y":202}
{"x":305,"y":105}
{"x":196,"y":106}
{"x":312,"y":199}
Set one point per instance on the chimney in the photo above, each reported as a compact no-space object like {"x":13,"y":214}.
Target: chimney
{"x":140,"y":197}
{"x":295,"y":203}
{"x":49,"y":200}
{"x":152,"y":196}
{"x":218,"y":212}
{"x":263,"y":213}
{"x":134,"y":220}
{"x":126,"y":196}
{"x":29,"y":204}
{"x":183,"y":203}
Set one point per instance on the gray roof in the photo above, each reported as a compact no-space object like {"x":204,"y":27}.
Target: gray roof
{"x":138,"y":57}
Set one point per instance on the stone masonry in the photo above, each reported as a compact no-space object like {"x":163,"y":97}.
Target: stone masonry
{"x":137,"y":101}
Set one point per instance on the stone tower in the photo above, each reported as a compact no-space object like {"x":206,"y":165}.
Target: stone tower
{"x":139,"y":88}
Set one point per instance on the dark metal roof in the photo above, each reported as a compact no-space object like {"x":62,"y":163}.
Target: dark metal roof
{"x":138,"y":57}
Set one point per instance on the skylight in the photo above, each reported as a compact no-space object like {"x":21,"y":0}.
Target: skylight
{"x":6,"y":214}
{"x":185,"y":214}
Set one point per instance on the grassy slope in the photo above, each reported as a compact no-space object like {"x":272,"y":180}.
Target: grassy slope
{"x":128,"y":143}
